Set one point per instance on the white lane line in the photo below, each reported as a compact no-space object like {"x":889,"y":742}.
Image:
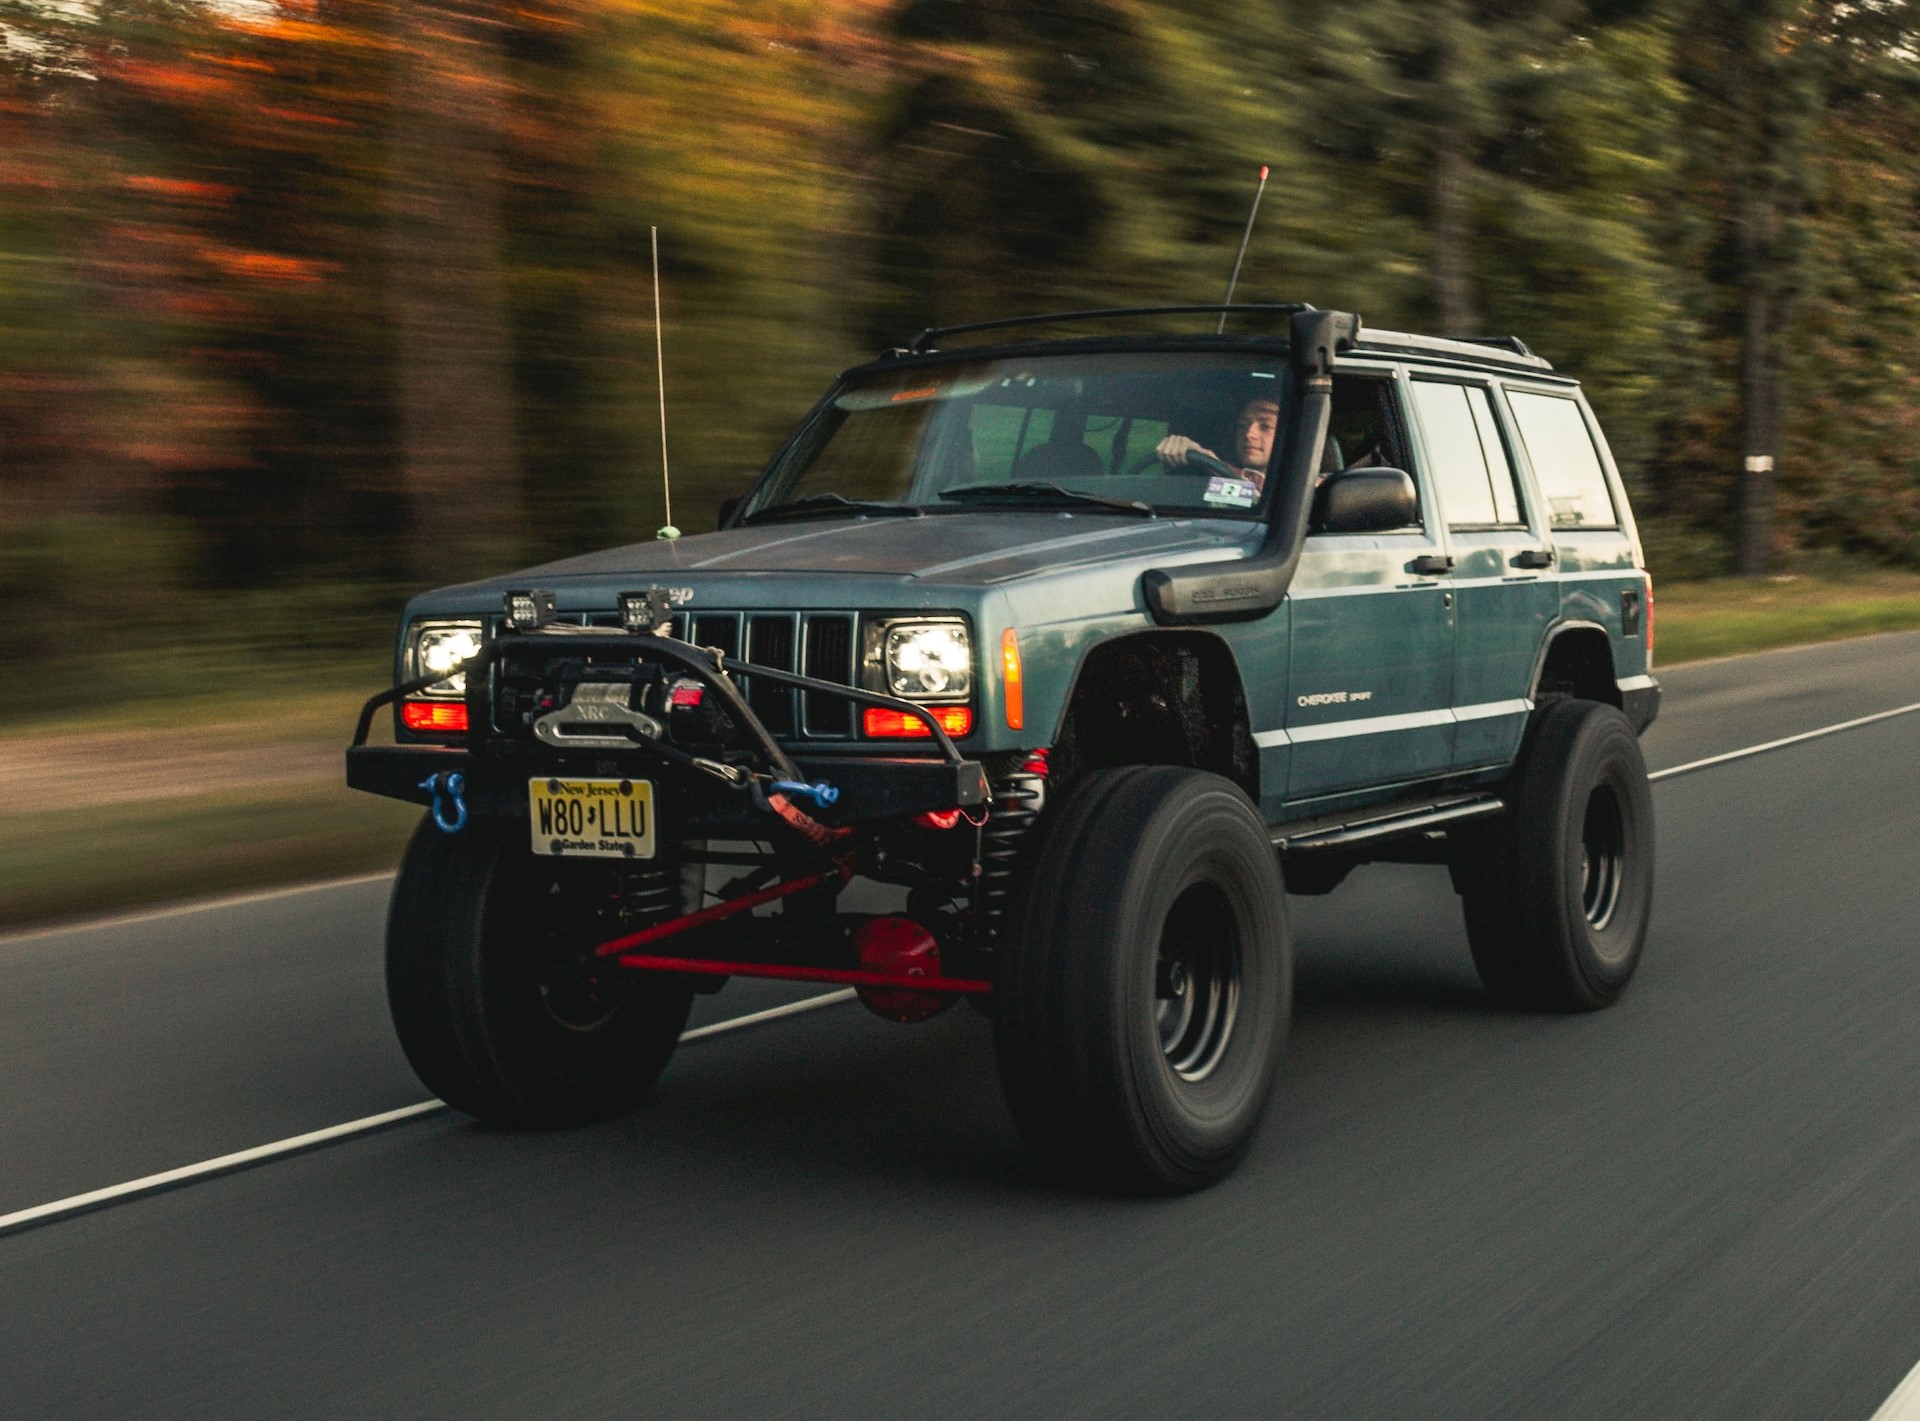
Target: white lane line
{"x":239,"y":1159}
{"x":313,"y":1139}
{"x":826,"y":999}
{"x":1805,"y":736}
{"x":1904,"y":1404}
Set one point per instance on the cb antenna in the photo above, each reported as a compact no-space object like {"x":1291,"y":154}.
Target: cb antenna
{"x":660,"y":366}
{"x":1245,"y":237}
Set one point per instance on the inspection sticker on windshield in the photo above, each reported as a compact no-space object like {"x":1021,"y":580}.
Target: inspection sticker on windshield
{"x":1223,"y":492}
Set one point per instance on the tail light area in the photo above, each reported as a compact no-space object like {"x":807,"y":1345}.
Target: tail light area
{"x":1649,"y":621}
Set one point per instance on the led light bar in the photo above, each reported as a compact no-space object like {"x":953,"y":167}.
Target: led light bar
{"x":648,"y":611}
{"x":528,"y":611}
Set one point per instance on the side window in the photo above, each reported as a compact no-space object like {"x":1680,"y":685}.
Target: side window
{"x":1367,"y":429}
{"x":1470,"y":463}
{"x":1572,"y":479}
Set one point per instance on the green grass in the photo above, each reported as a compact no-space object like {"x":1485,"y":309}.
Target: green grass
{"x":82,"y":863}
{"x":1698,"y":620}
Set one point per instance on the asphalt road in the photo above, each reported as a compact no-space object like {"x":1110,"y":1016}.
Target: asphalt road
{"x":1698,"y":1204}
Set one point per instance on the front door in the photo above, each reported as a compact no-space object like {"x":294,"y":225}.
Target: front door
{"x":1372,"y":625}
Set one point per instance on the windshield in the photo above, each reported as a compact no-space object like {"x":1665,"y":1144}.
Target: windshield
{"x":1126,"y":434}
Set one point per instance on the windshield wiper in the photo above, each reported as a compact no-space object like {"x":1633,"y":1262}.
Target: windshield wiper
{"x":835,"y":503}
{"x":1050,"y":493}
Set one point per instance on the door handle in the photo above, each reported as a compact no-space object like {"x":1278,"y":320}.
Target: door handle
{"x":1431,"y":564}
{"x":1534,"y":557}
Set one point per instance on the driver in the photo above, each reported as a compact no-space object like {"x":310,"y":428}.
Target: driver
{"x":1253,"y":434}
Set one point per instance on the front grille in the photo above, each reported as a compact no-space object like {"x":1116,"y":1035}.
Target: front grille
{"x":822,"y":642}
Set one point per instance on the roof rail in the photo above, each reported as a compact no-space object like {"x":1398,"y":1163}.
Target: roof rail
{"x":924,"y":342}
{"x":1512,"y":343}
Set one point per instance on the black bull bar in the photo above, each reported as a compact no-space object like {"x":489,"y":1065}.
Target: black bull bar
{"x":497,"y":766}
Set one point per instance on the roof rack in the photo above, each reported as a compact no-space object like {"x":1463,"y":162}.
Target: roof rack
{"x":1511,"y":350}
{"x":924,"y":342}
{"x":1512,"y":343}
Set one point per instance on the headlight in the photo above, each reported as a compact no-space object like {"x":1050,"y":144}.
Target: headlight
{"x":441,"y":646}
{"x":929,"y":661}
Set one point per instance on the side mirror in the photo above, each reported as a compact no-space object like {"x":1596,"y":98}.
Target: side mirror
{"x":729,"y":507}
{"x":1366,"y":501}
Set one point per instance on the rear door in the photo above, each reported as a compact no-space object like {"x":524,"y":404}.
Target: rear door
{"x":1503,"y":600}
{"x":1370,"y":689}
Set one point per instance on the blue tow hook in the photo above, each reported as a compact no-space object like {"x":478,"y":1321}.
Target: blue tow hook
{"x":820,"y":794}
{"x":449,"y":791}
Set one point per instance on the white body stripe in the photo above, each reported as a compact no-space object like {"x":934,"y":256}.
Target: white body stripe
{"x":1385,"y":724}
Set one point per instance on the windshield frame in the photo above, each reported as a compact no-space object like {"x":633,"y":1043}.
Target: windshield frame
{"x":796,"y":456}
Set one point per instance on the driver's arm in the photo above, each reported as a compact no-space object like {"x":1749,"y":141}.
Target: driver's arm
{"x":1174,"y":449}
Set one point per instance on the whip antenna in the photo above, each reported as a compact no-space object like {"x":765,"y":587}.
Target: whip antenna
{"x":1245,"y":237}
{"x":660,"y":366}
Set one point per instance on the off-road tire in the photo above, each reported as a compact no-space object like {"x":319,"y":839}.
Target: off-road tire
{"x":1108,"y":1082}
{"x":471,"y":1001}
{"x":1558,"y":892}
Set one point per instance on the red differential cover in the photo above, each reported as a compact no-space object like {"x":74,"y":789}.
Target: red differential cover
{"x":901,"y":947}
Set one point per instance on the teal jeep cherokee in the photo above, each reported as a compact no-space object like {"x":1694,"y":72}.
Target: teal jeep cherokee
{"x":1070,"y":658}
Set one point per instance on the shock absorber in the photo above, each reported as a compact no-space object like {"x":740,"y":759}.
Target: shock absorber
{"x":1017,"y":802}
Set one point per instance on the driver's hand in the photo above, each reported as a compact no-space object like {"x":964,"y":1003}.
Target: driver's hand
{"x":1174,"y":449}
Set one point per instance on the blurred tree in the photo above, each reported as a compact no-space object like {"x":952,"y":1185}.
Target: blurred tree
{"x":299,"y":295}
{"x":1768,"y":79}
{"x":449,"y":287}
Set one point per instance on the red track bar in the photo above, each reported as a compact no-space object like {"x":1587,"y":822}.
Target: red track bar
{"x":851,"y":976}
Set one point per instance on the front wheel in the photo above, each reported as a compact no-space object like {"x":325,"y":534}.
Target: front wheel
{"x":1558,"y":893}
{"x":1144,"y":990}
{"x":486,"y":947}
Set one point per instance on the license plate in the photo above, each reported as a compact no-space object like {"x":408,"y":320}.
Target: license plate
{"x":604,"y":819}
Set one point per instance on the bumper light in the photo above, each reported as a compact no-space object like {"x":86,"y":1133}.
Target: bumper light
{"x":883,"y":723}
{"x":441,"y":717}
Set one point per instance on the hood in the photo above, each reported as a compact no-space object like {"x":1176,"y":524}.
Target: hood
{"x":976,"y":548}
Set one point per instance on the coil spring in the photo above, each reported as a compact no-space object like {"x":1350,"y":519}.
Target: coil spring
{"x":651,"y":894}
{"x":1017,"y":802}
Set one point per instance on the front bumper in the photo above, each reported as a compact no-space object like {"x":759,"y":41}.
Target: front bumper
{"x":497,"y":767}
{"x":871,"y":787}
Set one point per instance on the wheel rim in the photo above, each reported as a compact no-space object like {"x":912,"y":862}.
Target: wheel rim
{"x":572,"y":997}
{"x":1197,"y":983}
{"x":1603,"y":856}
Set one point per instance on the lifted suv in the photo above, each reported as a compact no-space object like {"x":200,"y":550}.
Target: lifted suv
{"x":1002,"y":632}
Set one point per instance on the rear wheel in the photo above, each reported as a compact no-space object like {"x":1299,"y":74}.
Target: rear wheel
{"x":488,"y":984}
{"x":1558,"y":893}
{"x":1144,"y":989}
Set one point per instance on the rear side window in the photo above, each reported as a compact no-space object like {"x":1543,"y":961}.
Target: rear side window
{"x":1470,"y":462}
{"x":1572,"y":479}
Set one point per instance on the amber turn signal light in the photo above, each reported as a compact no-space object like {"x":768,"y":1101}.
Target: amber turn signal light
{"x":1015,"y":692}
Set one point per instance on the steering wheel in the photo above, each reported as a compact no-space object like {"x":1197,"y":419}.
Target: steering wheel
{"x":1198,"y":461}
